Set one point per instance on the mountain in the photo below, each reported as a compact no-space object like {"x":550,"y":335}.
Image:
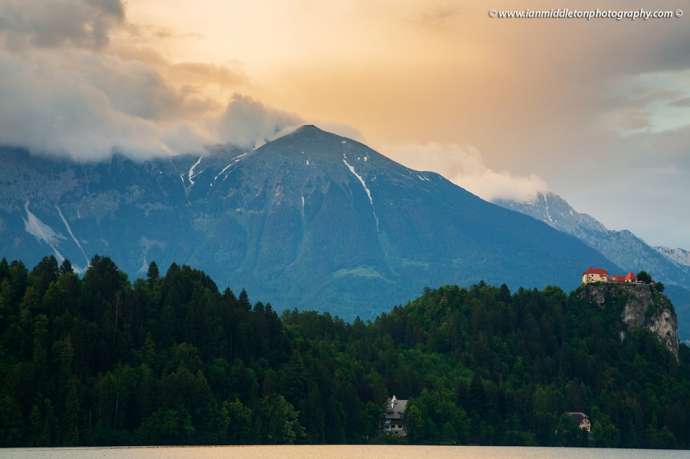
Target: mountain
{"x":678,"y":255}
{"x":310,"y":219}
{"x":621,"y":247}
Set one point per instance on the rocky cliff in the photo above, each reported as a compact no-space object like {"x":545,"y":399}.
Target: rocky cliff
{"x":642,"y":307}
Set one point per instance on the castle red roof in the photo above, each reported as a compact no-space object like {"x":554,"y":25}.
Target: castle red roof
{"x":600,"y":271}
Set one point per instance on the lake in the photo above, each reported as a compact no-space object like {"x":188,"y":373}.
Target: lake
{"x":337,"y":452}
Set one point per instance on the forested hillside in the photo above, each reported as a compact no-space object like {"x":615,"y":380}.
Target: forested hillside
{"x":98,"y":360}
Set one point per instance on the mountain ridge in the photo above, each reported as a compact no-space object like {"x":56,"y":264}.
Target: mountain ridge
{"x":677,"y":255}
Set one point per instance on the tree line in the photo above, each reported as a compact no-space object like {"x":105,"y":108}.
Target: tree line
{"x":97,"y":359}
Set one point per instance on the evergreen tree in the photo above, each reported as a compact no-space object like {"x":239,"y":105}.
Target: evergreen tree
{"x":152,"y":274}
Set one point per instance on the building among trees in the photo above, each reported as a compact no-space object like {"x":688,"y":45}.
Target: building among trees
{"x":581,"y":419}
{"x":394,"y":417}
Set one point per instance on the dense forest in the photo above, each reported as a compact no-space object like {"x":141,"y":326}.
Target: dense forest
{"x":95,"y":359}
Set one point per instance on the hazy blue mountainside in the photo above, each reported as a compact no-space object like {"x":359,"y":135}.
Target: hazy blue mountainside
{"x":621,"y":247}
{"x":311,"y":219}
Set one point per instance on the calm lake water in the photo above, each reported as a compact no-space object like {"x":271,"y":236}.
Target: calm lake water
{"x":338,"y":452}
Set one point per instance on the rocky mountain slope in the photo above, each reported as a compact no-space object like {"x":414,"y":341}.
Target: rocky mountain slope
{"x":311,"y":219}
{"x":621,"y":247}
{"x":677,"y":255}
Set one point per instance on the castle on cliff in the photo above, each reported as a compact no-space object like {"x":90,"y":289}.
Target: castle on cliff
{"x":600,"y":275}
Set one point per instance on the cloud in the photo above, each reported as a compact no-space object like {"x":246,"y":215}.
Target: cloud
{"x":65,"y":93}
{"x":684,"y":102}
{"x":205,"y":80}
{"x":90,"y":105}
{"x":249,"y":123}
{"x":193,"y":72}
{"x":438,"y":14}
{"x":465,"y":167}
{"x":650,"y":102}
{"x":66,"y":90}
{"x":344,"y":130}
{"x":52,"y":23}
{"x":94,"y":104}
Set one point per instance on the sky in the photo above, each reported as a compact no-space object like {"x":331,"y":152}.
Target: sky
{"x":597,"y":111}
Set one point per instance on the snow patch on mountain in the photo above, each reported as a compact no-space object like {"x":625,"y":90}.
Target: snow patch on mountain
{"x":361,"y":180}
{"x":42,"y":232}
{"x":191,"y":175}
{"x":366,"y":189}
{"x":549,"y":218}
{"x":234,"y":161}
{"x":74,"y":239}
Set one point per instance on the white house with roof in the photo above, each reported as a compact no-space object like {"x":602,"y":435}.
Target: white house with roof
{"x":394,"y":417}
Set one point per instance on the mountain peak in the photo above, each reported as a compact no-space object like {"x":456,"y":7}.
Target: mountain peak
{"x":555,"y":211}
{"x":311,"y":130}
{"x":306,"y":128}
{"x":311,"y":145}
{"x":308,"y":134}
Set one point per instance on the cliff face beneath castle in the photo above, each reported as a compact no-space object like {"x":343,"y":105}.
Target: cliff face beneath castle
{"x":643,"y":307}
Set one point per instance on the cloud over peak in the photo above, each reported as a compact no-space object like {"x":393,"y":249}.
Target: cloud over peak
{"x":465,"y":167}
{"x":247,"y":122}
{"x":68,"y":91}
